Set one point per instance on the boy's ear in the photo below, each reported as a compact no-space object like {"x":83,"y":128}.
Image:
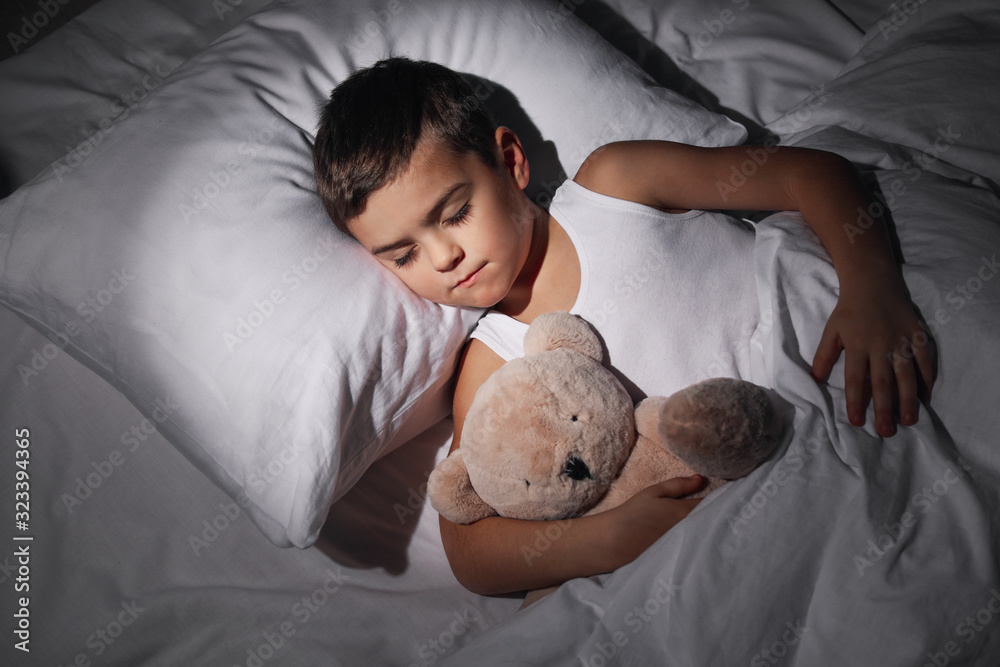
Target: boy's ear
{"x":512,"y":153}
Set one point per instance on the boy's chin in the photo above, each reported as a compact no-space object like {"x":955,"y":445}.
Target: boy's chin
{"x":481,"y":301}
{"x":483,"y":304}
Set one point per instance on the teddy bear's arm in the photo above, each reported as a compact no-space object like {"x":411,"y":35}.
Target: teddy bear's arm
{"x":451,"y":494}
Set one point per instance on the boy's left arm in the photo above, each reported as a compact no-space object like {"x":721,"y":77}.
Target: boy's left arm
{"x":873,"y":323}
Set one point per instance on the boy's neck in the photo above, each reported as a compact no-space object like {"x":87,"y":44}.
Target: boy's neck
{"x":550,"y":277}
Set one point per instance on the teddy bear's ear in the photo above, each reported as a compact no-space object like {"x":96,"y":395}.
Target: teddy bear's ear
{"x":451,"y":494}
{"x":550,"y":331}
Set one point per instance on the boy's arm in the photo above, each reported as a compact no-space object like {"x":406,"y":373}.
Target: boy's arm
{"x":873,"y":322}
{"x":499,"y":555}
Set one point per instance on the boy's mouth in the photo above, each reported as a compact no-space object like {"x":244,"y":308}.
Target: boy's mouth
{"x":471,"y":279}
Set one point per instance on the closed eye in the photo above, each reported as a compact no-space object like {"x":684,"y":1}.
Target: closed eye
{"x":403,"y":261}
{"x":460,"y":217}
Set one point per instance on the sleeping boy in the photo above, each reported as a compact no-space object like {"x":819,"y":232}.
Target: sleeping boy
{"x":410,"y":164}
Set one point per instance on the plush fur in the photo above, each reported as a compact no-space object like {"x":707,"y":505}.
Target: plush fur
{"x":554,"y":434}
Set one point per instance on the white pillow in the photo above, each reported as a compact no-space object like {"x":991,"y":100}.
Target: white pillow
{"x":188,"y":261}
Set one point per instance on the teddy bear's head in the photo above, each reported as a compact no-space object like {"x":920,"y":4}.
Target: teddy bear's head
{"x":546,"y":434}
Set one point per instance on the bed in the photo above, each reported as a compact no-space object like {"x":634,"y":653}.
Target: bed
{"x":219,"y":417}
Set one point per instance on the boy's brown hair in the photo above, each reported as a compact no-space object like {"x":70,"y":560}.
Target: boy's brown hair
{"x":373,"y":120}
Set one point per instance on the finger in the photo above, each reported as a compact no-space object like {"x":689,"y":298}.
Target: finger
{"x":855,"y":378}
{"x":924,"y":355}
{"x":679,"y":486}
{"x":906,"y":385}
{"x":827,"y":352}
{"x":882,"y":383}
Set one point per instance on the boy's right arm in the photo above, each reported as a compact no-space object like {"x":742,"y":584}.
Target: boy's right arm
{"x":500,"y":555}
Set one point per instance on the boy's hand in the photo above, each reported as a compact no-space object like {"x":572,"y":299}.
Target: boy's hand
{"x":885,"y":348}
{"x":638,"y":522}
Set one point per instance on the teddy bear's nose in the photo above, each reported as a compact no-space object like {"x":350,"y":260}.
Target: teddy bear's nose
{"x":576,"y":469}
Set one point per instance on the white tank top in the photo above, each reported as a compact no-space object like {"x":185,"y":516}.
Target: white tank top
{"x":672,"y":296}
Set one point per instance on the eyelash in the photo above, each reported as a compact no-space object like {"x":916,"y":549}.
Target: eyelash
{"x":460,"y":217}
{"x":457,"y":219}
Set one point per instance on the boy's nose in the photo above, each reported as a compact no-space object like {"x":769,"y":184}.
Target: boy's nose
{"x":446,"y":255}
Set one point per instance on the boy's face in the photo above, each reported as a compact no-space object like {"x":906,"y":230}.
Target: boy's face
{"x":454,"y":230}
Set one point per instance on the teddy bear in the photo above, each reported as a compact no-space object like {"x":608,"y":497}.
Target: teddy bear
{"x":554,"y":434}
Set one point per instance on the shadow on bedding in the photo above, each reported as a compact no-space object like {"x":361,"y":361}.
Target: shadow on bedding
{"x":6,"y":176}
{"x":373,"y":525}
{"x":657,"y":64}
{"x":546,"y":173}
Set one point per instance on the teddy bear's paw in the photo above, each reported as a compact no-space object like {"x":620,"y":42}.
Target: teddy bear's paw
{"x":721,"y":427}
{"x":451,"y":494}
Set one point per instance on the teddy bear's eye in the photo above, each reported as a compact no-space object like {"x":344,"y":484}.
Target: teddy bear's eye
{"x":576,"y":469}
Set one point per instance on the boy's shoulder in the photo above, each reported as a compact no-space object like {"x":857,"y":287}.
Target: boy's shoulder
{"x":622,"y":170}
{"x":602,"y":172}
